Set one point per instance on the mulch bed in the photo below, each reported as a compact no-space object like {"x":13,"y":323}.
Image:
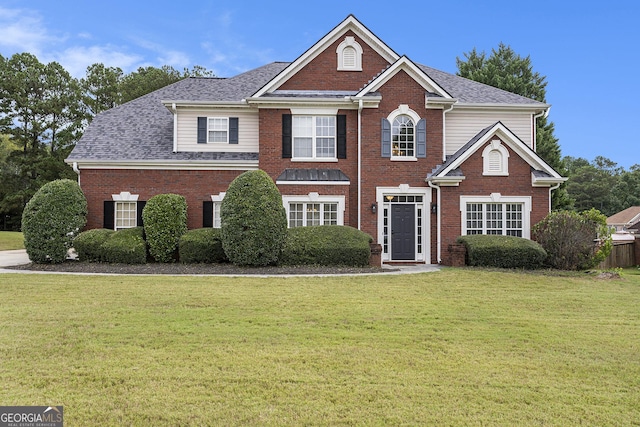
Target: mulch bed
{"x":178,"y":268}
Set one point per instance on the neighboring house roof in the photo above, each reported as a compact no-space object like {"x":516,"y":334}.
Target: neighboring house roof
{"x":628,"y":216}
{"x":451,"y":171}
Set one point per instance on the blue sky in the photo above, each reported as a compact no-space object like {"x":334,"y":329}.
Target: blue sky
{"x":588,"y":51}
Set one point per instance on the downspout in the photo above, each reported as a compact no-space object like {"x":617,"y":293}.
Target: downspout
{"x":544,"y":114}
{"x":74,"y":166}
{"x":439,"y":207}
{"x":555,"y":187}
{"x":360,"y":106}
{"x":175,"y":127}
{"x":444,"y":133}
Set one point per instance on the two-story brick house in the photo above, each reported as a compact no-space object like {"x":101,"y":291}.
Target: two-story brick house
{"x":351,"y":132}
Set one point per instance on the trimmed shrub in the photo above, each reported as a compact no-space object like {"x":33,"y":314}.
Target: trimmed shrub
{"x":202,"y":245}
{"x":88,"y":244}
{"x":574,"y":241}
{"x":51,"y":220}
{"x":125,"y":246}
{"x":254,"y":222}
{"x":326,"y":245}
{"x":165,"y":219}
{"x":503,"y":251}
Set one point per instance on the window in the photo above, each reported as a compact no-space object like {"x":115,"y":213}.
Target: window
{"x":305,"y":211}
{"x":308,"y":214}
{"x":496,"y":214}
{"x":126,"y":214}
{"x":402,"y":137}
{"x":217,"y":130}
{"x":216,"y":214}
{"x":314,"y":137}
{"x":495,"y":218}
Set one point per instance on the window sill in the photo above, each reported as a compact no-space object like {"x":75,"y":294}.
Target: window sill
{"x":404,"y":159}
{"x":327,"y":160}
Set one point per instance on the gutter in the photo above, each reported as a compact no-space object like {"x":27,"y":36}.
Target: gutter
{"x":544,"y":113}
{"x":174,"y":110}
{"x":360,"y":107}
{"x":74,"y":166}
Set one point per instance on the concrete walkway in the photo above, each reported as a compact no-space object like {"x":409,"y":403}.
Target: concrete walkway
{"x":20,"y":257}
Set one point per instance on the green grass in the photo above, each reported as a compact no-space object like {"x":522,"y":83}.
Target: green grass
{"x":10,"y":240}
{"x":458,"y":347}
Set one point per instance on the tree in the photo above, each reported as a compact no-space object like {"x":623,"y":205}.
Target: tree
{"x":509,"y":71}
{"x":596,"y":185}
{"x":165,"y":220}
{"x":101,"y":88}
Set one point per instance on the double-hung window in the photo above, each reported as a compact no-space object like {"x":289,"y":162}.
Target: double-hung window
{"x":306,"y":211}
{"x":218,"y":130}
{"x":126,"y":214}
{"x":402,"y":137}
{"x":314,"y":137}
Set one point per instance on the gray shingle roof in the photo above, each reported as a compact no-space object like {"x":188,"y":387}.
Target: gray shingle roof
{"x":142,"y":130}
{"x":298,"y":175}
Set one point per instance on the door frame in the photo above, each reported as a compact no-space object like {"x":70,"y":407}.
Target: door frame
{"x":422,"y":248}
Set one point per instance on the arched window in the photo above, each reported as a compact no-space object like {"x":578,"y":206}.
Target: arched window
{"x":403,"y":137}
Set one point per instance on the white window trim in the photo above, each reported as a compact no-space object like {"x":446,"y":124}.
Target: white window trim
{"x":404,"y":110}
{"x":498,"y":198}
{"x":124,"y":197}
{"x":316,"y":198}
{"x":314,"y":158}
{"x":209,"y":130}
{"x":217,"y":200}
{"x":349,"y":41}
{"x":495,"y":145}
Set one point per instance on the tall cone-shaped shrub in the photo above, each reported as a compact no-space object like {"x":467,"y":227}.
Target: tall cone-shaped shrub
{"x":254,"y":222}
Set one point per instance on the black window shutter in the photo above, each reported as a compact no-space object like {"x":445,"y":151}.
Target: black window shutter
{"x":233,"y":130}
{"x":341,"y":122}
{"x":207,"y":213}
{"x":286,"y":136}
{"x":386,"y":138}
{"x":421,"y":134}
{"x":139,"y":208}
{"x":202,"y":130}
{"x":109,"y":213}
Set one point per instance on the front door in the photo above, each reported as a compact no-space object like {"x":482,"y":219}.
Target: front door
{"x":403,"y":232}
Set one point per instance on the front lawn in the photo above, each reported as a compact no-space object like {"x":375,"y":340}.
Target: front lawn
{"x":456,"y":347}
{"x":10,"y":240}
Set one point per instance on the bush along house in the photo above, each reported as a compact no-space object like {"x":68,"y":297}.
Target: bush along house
{"x":352,"y":134}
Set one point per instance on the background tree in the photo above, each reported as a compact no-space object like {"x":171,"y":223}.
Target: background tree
{"x":101,"y":88}
{"x":509,"y":71}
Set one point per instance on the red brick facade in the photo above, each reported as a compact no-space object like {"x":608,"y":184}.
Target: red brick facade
{"x":407,"y":176}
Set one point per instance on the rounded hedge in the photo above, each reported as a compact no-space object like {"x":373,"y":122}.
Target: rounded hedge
{"x":254,"y":222}
{"x":202,"y":245}
{"x":326,"y":245}
{"x":125,"y":246}
{"x":503,"y":251}
{"x":51,"y":220}
{"x":165,"y":220}
{"x":88,"y":244}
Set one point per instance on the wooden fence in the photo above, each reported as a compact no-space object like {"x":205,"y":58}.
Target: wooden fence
{"x":623,"y":254}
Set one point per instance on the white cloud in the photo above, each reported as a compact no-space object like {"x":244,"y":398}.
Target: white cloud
{"x":166,"y":56}
{"x":77,"y":59}
{"x":23,"y":30}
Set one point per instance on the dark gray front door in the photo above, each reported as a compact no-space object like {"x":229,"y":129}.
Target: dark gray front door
{"x":403,"y":232}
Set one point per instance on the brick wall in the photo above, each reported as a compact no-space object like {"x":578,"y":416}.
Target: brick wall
{"x":196,"y":186}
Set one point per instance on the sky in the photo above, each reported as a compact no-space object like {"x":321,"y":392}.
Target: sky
{"x":588,"y":51}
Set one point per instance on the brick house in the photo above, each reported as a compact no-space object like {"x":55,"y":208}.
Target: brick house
{"x":351,"y":132}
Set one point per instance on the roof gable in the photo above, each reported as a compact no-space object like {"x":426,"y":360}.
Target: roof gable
{"x":408,"y":66}
{"x":349,"y":24}
{"x":543,"y":174}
